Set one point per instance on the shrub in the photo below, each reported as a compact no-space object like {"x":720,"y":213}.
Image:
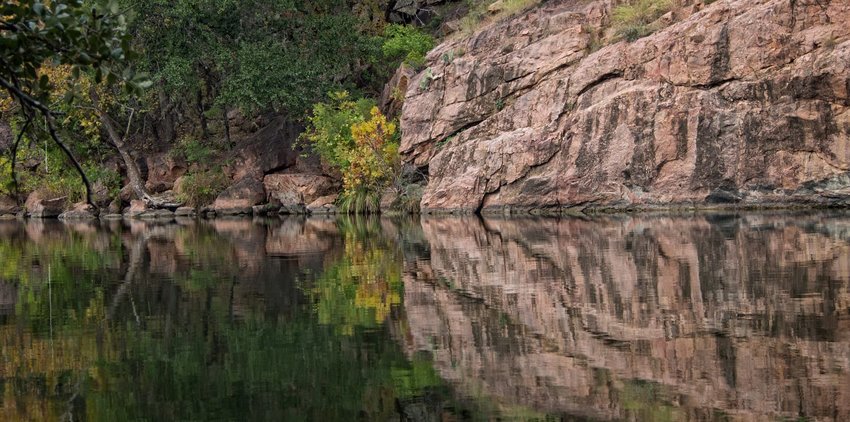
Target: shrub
{"x":192,"y":150}
{"x":202,"y":187}
{"x":477,"y":15}
{"x":360,"y":201}
{"x":427,"y":77}
{"x":635,"y":19}
{"x":329,"y":127}
{"x":364,"y":148}
{"x":374,"y":159}
{"x":407,"y":43}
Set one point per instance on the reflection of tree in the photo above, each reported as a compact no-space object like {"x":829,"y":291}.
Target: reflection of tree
{"x":149,"y":322}
{"x":57,"y":331}
{"x":365,"y":284}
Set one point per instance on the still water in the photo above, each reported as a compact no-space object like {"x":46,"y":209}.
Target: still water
{"x":706,"y":317}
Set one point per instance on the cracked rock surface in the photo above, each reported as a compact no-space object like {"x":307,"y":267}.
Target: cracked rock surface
{"x":741,"y":101}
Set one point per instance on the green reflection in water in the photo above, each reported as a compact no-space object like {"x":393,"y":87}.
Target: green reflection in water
{"x":103,"y":334}
{"x":362,"y":287}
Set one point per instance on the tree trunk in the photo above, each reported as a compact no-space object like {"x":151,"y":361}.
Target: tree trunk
{"x":120,"y":143}
{"x":166,"y":120}
{"x":133,"y":172}
{"x":205,"y":132}
{"x":226,"y":127}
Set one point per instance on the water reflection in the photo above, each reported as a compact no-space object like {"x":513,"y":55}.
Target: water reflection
{"x":651,"y":318}
{"x":222,"y":320}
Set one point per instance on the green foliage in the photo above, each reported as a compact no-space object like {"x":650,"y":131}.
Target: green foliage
{"x":373,"y":161}
{"x":360,"y":201}
{"x":354,"y":137}
{"x":202,"y":187}
{"x":193,"y":150}
{"x":427,"y":77}
{"x":109,"y":178}
{"x":329,"y":127}
{"x":636,"y":18}
{"x":408,"y":43}
{"x":252,"y":54}
{"x":86,"y":37}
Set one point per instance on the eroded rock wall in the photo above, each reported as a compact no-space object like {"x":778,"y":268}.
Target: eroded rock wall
{"x":743,"y":102}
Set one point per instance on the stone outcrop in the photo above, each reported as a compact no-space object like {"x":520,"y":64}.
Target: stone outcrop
{"x":392,"y":97}
{"x":413,"y":10}
{"x":240,"y":197}
{"x":41,"y":205}
{"x":8,"y":206}
{"x":163,"y":170}
{"x":79,"y":211}
{"x":323,"y":205}
{"x":269,"y":149}
{"x":295,"y":191}
{"x":744,"y":102}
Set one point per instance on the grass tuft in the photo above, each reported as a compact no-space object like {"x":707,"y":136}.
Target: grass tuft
{"x":636,"y":19}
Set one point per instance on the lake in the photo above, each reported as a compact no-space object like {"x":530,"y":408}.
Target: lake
{"x":643,"y":317}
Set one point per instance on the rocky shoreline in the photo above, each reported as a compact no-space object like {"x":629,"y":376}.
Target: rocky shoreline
{"x":82,"y":213}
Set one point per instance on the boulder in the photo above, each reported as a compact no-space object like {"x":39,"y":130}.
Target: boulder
{"x":268,"y":150}
{"x":79,"y":211}
{"x":41,"y":205}
{"x":156,"y":215}
{"x":294,"y":191}
{"x":185,"y":212}
{"x":323,"y":205}
{"x":420,"y":11}
{"x":8,"y":206}
{"x":162,"y":171}
{"x":240,"y":197}
{"x":137,"y":207}
{"x":114,"y":206}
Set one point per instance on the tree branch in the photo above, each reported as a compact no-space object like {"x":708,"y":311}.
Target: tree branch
{"x":29,"y":102}
{"x":51,"y":127}
{"x":26,"y":99}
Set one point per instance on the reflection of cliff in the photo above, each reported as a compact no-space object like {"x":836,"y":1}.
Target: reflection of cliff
{"x":617,"y":317}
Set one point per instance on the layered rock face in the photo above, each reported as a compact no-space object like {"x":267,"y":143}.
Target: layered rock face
{"x":744,"y":101}
{"x":634,"y":318}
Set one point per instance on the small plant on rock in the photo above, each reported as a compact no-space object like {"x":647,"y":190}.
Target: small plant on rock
{"x":202,"y":187}
{"x":636,"y":18}
{"x":427,"y":77}
{"x":407,"y":43}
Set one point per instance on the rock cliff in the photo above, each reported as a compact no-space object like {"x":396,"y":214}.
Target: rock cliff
{"x":741,"y":102}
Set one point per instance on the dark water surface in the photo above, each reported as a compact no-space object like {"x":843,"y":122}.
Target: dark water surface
{"x":707,"y":317}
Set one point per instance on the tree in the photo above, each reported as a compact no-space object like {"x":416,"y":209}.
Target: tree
{"x":88,"y":38}
{"x":354,"y":137}
{"x":255,"y":55}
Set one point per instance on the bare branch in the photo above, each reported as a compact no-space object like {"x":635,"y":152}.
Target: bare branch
{"x":51,"y":127}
